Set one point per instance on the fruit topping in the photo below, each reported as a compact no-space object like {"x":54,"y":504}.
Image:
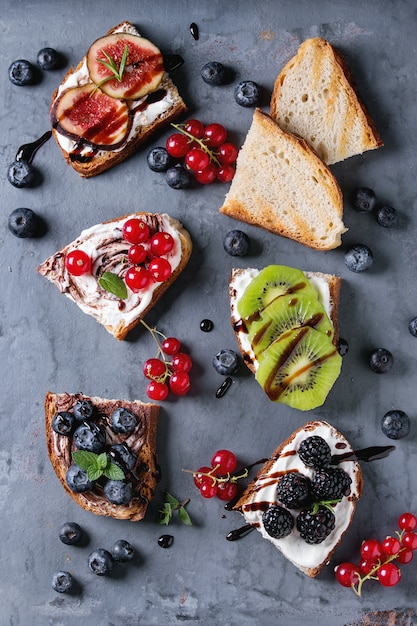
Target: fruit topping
{"x":77,"y":479}
{"x":331,"y":483}
{"x":226,"y":362}
{"x":387,"y":216}
{"x":315,"y":524}
{"x":159,"y":160}
{"x":365,"y":200}
{"x":48,"y":59}
{"x":315,"y":452}
{"x":117,"y":491}
{"x":215,"y":73}
{"x":277,"y":521}
{"x":100,"y":562}
{"x":83,"y":410}
{"x":125,"y":66}
{"x":62,"y":582}
{"x":247,"y":93}
{"x":90,"y":437}
{"x":23,"y":223}
{"x":136,"y":231}
{"x":122,"y":455}
{"x":359,"y":258}
{"x":63,"y":423}
{"x":77,"y":262}
{"x":123,"y":421}
{"x":395,"y":424}
{"x":381,"y":361}
{"x":22,"y":72}
{"x":122,"y":551}
{"x":70,"y":533}
{"x":236,"y":243}
{"x":294,"y":490}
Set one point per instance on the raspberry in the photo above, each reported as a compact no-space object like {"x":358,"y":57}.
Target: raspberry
{"x":294,"y":490}
{"x":314,"y":526}
{"x":331,"y":483}
{"x":277,"y":521}
{"x":315,"y":452}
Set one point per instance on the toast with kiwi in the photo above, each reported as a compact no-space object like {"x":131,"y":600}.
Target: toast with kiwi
{"x":114,"y":101}
{"x":100,"y":287}
{"x":115,"y":473}
{"x":315,"y":464}
{"x":282,"y":185}
{"x":315,"y":97}
{"x":286,"y":325}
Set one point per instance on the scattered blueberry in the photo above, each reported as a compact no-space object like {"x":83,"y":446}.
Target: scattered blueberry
{"x":100,"y":562}
{"x":89,"y":436}
{"x":22,"y":174}
{"x":387,"y":216}
{"x":83,"y":410}
{"x":359,"y":258}
{"x":412,"y":326}
{"x":21,"y":73}
{"x":118,"y":492}
{"x":365,"y":200}
{"x":63,"y":423}
{"x":123,"y":421}
{"x":177,"y":177}
{"x":381,"y":361}
{"x":62,"y":582}
{"x":122,"y":455}
{"x":23,"y":223}
{"x":159,"y":160}
{"x":48,"y":59}
{"x":77,"y":479}
{"x":236,"y":243}
{"x":122,"y":551}
{"x":247,"y":93}
{"x":70,"y":533}
{"x":215,"y":73}
{"x":395,"y":424}
{"x":226,"y":362}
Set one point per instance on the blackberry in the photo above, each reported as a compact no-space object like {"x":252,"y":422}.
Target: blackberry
{"x":294,"y":490}
{"x":277,"y":521}
{"x":314,"y":526}
{"x":315,"y":452}
{"x":331,"y":483}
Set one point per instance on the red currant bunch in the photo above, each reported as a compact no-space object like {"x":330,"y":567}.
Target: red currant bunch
{"x":380,"y":560}
{"x":167,"y":375}
{"x":220,"y":479}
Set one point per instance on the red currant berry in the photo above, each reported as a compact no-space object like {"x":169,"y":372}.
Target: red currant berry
{"x":199,"y":479}
{"x":389,"y":575}
{"x":227,"y":153}
{"x":135,"y":231}
{"x":366,"y":567}
{"x":137,"y":254}
{"x":196,"y":159}
{"x":215,"y":135}
{"x":371,"y":550}
{"x":137,"y":278}
{"x":226,"y":491}
{"x":207,"y":175}
{"x":179,"y":383}
{"x":208,"y":489}
{"x":177,"y":145}
{"x":161,"y":243}
{"x":78,"y":262}
{"x":181,"y":362}
{"x":347,"y":574}
{"x":391,"y":546}
{"x":160,"y":269}
{"x":157,"y":391}
{"x":226,"y":173}
{"x":224,"y":461}
{"x":409,"y":540}
{"x":154,"y":369}
{"x":170,"y":346}
{"x":405,"y":556}
{"x":407,"y":521}
{"x":194,"y":128}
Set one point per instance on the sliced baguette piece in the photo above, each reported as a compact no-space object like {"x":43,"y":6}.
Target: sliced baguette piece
{"x":315,"y":97}
{"x":282,"y":185}
{"x":152,"y":111}
{"x":108,"y":252}
{"x":142,"y":442}
{"x":261,"y":493}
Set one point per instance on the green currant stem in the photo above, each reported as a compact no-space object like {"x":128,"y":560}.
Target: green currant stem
{"x":229,"y":478}
{"x":200,"y":142}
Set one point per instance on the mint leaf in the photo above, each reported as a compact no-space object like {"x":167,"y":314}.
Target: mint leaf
{"x":113,"y":284}
{"x":114,"y":472}
{"x":94,"y":473}
{"x":165,"y":514}
{"x":184,"y":517}
{"x":84,"y":459}
{"x":171,"y":500}
{"x":102,"y":460}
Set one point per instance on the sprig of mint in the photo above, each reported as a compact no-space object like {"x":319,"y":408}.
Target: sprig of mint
{"x":170,"y":505}
{"x":97,"y":465}
{"x":113,"y":284}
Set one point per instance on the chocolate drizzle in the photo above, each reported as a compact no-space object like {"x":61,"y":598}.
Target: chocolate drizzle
{"x":27,"y":151}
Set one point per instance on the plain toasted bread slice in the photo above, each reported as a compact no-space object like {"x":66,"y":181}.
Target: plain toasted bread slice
{"x":108,"y":252}
{"x":261,"y":494}
{"x":152,"y":112}
{"x":141,"y":442}
{"x":314,"y":96}
{"x":282,"y":185}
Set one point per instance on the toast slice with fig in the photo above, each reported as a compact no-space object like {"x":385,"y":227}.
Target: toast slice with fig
{"x":116,"y":98}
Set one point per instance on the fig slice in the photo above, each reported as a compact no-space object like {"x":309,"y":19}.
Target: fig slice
{"x":125,"y":66}
{"x":89,"y":113}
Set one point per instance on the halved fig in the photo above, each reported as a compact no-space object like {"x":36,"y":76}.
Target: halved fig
{"x":89,"y":113}
{"x":125,"y":66}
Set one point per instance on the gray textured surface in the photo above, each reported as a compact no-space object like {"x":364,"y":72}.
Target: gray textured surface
{"x":47,"y":343}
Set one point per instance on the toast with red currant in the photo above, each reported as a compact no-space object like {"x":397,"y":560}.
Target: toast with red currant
{"x":116,"y":98}
{"x":104,"y":452}
{"x":118,"y":270}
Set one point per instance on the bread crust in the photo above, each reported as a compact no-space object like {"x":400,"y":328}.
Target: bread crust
{"x":145,"y":436}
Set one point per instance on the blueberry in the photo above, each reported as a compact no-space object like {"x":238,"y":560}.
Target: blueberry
{"x":77,"y":479}
{"x":412,"y":326}
{"x":387,"y":216}
{"x":123,"y":421}
{"x":48,"y":59}
{"x":365,"y":200}
{"x":63,"y":423}
{"x":118,"y":492}
{"x":90,"y":437}
{"x":122,"y":551}
{"x":123,"y":456}
{"x":359,"y":258}
{"x":21,"y":73}
{"x":23,"y":223}
{"x":100,"y":562}
{"x":62,"y":582}
{"x":159,"y":160}
{"x":395,"y":424}
{"x":177,"y":177}
{"x":236,"y":243}
{"x":381,"y":361}
{"x":22,"y":174}
{"x":247,"y":93}
{"x":70,"y":533}
{"x":83,"y":410}
{"x":215,"y":73}
{"x":226,"y":362}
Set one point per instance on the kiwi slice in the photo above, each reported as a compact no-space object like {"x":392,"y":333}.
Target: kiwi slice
{"x":300,"y":368}
{"x":286,"y":313}
{"x":272,"y":282}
